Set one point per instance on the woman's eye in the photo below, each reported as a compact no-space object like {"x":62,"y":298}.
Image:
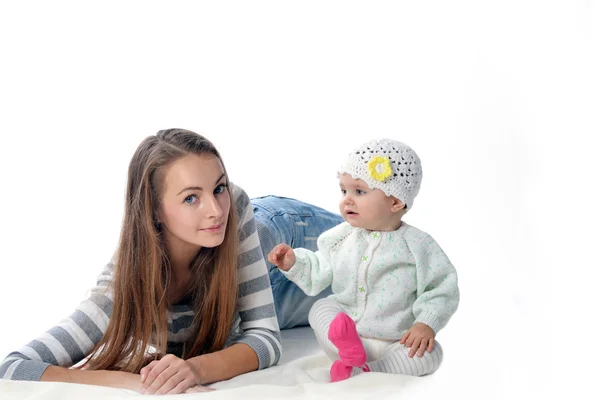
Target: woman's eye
{"x":191,"y":199}
{"x":220,"y":189}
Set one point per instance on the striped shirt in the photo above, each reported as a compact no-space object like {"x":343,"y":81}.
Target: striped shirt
{"x":74,"y":338}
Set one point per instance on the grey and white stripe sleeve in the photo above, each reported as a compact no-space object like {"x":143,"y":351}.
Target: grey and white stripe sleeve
{"x":255,"y":300}
{"x":68,"y":342}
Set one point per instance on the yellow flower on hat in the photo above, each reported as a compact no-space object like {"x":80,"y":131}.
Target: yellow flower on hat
{"x":379,"y":168}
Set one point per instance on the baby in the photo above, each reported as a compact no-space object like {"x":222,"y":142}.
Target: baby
{"x":393,"y":286}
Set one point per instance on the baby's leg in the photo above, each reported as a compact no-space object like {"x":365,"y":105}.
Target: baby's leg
{"x":322,"y":313}
{"x":336,"y":333}
{"x":397,"y":361}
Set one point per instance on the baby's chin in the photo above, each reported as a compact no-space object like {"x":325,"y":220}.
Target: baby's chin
{"x":368,"y":227}
{"x":354,"y":223}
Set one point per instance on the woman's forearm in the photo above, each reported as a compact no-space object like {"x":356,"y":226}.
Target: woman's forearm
{"x":115,"y":379}
{"x":225,"y":364}
{"x":214,"y":367}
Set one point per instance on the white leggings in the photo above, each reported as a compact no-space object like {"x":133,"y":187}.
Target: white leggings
{"x":382,"y":355}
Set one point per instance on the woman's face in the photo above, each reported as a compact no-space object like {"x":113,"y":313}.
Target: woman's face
{"x":195,"y":202}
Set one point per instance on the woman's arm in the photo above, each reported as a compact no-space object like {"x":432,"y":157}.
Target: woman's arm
{"x":68,"y":342}
{"x":258,"y":322}
{"x":48,"y":357}
{"x":172,"y":375}
{"x":225,"y":364}
{"x":115,"y":379}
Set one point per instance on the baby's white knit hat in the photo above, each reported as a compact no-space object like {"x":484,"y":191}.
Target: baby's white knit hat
{"x":388,"y":165}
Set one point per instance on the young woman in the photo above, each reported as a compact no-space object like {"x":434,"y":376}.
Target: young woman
{"x":187,"y":299}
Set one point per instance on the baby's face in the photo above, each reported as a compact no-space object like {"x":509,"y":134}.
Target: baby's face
{"x":367,"y":208}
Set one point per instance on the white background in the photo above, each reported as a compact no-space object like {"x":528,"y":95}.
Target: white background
{"x":500,"y":100}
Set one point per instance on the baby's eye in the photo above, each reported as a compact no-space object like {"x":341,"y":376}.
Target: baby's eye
{"x":359,"y":191}
{"x":343,"y":191}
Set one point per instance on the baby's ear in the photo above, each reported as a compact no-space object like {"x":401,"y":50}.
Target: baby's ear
{"x":397,"y":205}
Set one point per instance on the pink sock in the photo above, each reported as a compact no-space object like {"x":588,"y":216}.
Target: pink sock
{"x":342,"y":333}
{"x":340,"y":371}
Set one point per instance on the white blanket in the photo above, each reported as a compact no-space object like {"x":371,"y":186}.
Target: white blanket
{"x":303,"y":373}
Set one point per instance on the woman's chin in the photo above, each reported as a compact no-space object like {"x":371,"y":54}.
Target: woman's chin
{"x":211,"y":241}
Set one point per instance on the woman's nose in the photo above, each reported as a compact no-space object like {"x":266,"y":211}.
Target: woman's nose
{"x":214,"y":208}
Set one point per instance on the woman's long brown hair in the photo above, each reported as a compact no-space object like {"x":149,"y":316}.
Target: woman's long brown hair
{"x":142,"y":269}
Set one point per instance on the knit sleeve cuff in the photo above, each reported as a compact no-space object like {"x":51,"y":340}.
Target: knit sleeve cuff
{"x":268,"y":353}
{"x":26,"y":370}
{"x":431,"y":320}
{"x":296,"y":273}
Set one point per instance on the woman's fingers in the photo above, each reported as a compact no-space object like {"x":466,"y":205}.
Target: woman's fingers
{"x":188,"y":386}
{"x":146,"y":370}
{"x":198,"y":389}
{"x":149,"y":377}
{"x":157,"y":377}
{"x":172,"y":383}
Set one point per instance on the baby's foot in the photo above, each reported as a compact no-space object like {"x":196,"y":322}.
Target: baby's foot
{"x":342,"y":333}
{"x":340,"y":371}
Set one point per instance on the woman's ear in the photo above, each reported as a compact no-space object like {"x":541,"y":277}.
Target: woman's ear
{"x":158,"y":218}
{"x":397,"y":205}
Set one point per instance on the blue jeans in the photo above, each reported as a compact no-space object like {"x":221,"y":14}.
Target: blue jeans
{"x":284,"y":220}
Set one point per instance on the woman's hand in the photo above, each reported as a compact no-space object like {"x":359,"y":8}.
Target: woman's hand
{"x":418,"y":337}
{"x":282,"y":256}
{"x":198,"y":389}
{"x":170,"y":375}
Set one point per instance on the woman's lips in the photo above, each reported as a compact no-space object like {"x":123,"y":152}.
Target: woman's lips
{"x":214,"y":228}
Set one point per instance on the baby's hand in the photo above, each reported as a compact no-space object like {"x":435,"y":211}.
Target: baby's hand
{"x":282,"y":256}
{"x":418,"y":337}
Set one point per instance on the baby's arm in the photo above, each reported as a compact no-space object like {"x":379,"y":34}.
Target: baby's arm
{"x":312,"y":271}
{"x":282,"y":256}
{"x":437,"y":286}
